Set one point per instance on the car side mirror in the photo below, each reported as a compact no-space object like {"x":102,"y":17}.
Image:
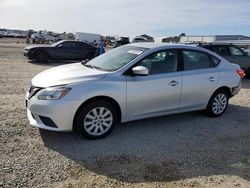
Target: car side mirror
{"x":140,"y":71}
{"x":245,"y":53}
{"x":59,"y":46}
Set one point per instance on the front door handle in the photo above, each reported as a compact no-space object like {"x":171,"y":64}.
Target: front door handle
{"x":211,"y":78}
{"x":173,"y":83}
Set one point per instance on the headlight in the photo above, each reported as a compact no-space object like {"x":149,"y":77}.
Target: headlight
{"x":53,"y":93}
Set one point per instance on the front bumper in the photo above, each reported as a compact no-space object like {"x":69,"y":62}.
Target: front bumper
{"x":25,"y":53}
{"x":28,"y":54}
{"x":60,"y":112}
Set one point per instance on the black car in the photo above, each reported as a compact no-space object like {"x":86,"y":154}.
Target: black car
{"x":232,"y":53}
{"x":62,"y":50}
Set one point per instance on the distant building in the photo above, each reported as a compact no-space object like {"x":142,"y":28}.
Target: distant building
{"x":175,"y":39}
{"x":67,"y":36}
{"x":149,"y":38}
{"x":88,"y":37}
{"x":240,"y":40}
{"x":144,"y":37}
{"x":197,"y":39}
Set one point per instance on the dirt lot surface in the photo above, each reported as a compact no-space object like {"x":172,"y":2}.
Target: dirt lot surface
{"x":185,"y":150}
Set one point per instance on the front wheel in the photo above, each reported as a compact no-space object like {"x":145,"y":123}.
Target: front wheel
{"x":41,"y":57}
{"x":96,"y":120}
{"x":218,"y":103}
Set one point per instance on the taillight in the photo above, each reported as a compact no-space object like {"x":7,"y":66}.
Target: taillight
{"x":241,"y":73}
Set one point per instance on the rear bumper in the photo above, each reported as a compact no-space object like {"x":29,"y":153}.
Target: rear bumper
{"x":235,"y":90}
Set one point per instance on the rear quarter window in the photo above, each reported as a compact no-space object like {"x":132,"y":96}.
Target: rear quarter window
{"x":214,"y":61}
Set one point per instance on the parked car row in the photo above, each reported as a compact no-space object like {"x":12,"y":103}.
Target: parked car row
{"x":77,"y":50}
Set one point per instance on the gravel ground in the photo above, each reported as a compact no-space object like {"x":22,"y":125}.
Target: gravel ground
{"x":185,"y":150}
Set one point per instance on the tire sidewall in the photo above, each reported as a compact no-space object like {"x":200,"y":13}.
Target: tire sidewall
{"x":37,"y":58}
{"x":79,"y":123}
{"x":210,"y":104}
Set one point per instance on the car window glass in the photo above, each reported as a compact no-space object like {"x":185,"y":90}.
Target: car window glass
{"x":68,"y":45}
{"x":161,"y":62}
{"x":116,"y":58}
{"x":215,"y":61}
{"x":223,"y":50}
{"x":195,"y":60}
{"x":235,"y":51}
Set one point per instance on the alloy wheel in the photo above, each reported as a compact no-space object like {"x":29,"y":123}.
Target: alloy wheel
{"x":219,"y":103}
{"x":98,"y":121}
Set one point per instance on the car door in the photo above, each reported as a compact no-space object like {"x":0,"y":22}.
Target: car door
{"x":239,"y":57}
{"x":200,"y":77}
{"x":159,"y":91}
{"x":66,"y":51}
{"x":86,"y":51}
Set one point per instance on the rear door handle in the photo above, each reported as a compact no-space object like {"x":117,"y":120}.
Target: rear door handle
{"x":173,"y":83}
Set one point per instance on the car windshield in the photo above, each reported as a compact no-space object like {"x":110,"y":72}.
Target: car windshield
{"x":116,"y":58}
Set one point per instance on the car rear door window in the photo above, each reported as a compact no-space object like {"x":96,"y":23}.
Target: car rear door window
{"x":193,"y":60}
{"x":161,"y":62}
{"x":223,"y":50}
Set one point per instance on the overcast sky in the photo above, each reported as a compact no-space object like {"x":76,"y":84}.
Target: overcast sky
{"x":129,"y":17}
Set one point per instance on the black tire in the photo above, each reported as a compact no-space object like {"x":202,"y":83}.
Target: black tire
{"x":79,"y":123}
{"x":41,"y":57}
{"x":210,"y":110}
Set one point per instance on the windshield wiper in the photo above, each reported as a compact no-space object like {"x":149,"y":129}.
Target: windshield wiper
{"x":95,"y":67}
{"x":90,"y":66}
{"x":100,"y":68}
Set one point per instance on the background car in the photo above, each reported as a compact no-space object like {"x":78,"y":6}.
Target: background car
{"x":132,"y":82}
{"x":62,"y":50}
{"x":232,"y":53}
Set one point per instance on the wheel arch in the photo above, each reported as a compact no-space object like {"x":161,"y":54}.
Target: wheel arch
{"x":39,"y":51}
{"x":225,"y":88}
{"x":102,"y":97}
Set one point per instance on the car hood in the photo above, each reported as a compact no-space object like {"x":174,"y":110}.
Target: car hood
{"x":37,"y":46}
{"x":66,"y":74}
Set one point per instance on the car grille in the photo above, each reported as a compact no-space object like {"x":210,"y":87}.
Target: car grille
{"x":32,"y":90}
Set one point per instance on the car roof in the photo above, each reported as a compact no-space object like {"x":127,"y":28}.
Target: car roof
{"x":215,"y":44}
{"x":77,"y":42}
{"x":156,"y":45}
{"x":152,"y":45}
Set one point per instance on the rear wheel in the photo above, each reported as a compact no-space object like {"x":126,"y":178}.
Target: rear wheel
{"x":96,"y":120}
{"x":218,"y":103}
{"x":41,"y":57}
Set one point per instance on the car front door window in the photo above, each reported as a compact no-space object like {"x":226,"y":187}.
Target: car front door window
{"x":161,"y":62}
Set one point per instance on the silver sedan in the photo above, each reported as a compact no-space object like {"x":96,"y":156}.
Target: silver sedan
{"x":128,"y":83}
